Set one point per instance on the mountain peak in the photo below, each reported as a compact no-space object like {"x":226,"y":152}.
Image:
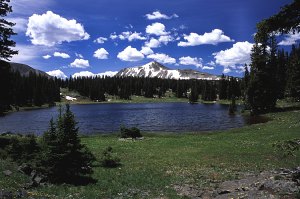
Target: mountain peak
{"x":156,"y":69}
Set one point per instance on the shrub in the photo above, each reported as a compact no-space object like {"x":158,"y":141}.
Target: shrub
{"x":288,"y":147}
{"x":63,"y":157}
{"x":130,"y":132}
{"x":22,"y":148}
{"x":109,"y":159}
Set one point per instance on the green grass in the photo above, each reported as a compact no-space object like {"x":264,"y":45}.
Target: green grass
{"x":151,"y":167}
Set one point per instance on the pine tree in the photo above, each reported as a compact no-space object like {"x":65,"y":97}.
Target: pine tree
{"x":5,"y":86}
{"x":6,"y":32}
{"x":293,"y":82}
{"x":261,"y":92}
{"x":64,"y":157}
{"x":194,"y":96}
{"x":246,"y":80}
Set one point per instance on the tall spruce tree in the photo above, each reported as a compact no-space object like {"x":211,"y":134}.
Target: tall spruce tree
{"x":261,"y":92}
{"x":293,"y":81}
{"x":64,"y":157}
{"x":194,"y":95}
{"x":5,"y":86}
{"x":6,"y":32}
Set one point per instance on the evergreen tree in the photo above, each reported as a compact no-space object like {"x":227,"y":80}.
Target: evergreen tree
{"x":64,"y":157}
{"x":246,"y":80}
{"x":5,"y":86}
{"x":293,"y":81}
{"x":223,"y":88}
{"x":261,"y":92}
{"x":281,"y":73}
{"x":194,"y":96}
{"x":6,"y":32}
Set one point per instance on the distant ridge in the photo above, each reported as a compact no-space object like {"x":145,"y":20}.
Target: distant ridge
{"x":155,"y":69}
{"x":24,"y":69}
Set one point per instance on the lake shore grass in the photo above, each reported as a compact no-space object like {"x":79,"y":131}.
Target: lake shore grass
{"x":151,"y":167}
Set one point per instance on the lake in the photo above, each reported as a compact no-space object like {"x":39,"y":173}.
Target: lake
{"x":150,"y":117}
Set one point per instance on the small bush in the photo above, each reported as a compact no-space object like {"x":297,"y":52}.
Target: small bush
{"x":109,"y":159}
{"x":19,"y":148}
{"x":288,"y":147}
{"x":23,"y":149}
{"x":130,"y":132}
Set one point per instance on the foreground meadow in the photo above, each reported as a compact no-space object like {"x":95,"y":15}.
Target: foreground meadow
{"x":154,"y":166}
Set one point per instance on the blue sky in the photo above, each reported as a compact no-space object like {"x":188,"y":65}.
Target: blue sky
{"x":69,"y":37}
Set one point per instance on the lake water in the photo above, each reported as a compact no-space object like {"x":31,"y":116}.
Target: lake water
{"x":150,"y":117}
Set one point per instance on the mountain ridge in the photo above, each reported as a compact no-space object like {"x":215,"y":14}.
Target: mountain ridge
{"x":155,"y":69}
{"x":151,"y":69}
{"x":24,"y":69}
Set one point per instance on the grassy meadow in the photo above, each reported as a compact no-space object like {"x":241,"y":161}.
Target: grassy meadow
{"x":151,"y":167}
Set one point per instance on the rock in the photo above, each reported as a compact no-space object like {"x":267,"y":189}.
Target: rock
{"x":188,"y":191}
{"x":25,"y":168}
{"x":224,"y":192}
{"x":33,"y":174}
{"x":7,"y":172}
{"x":6,"y":194}
{"x":21,"y":194}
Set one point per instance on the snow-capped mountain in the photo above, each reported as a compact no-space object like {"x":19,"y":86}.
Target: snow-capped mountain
{"x":155,"y":69}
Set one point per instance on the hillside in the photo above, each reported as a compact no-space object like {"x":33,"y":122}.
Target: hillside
{"x":155,"y":69}
{"x":24,"y":69}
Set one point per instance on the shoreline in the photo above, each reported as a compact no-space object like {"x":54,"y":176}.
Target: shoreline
{"x":150,"y":100}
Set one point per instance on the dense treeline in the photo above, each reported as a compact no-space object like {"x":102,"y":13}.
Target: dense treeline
{"x":96,"y":88}
{"x":277,"y":77}
{"x":31,"y":90}
{"x":274,"y":74}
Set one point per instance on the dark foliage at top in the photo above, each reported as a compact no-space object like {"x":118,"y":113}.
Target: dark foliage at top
{"x":6,"y":32}
{"x":274,"y":74}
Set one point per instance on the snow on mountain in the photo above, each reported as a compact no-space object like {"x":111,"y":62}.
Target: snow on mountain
{"x":155,"y":69}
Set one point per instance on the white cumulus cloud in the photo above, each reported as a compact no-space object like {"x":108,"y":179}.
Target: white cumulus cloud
{"x":238,"y":55}
{"x":214,"y":37}
{"x":162,"y":58}
{"x":152,"y":43}
{"x":100,"y":40}
{"x":47,"y":56}
{"x":165,"y":39}
{"x":80,"y":63}
{"x":290,"y":39}
{"x":130,"y":36}
{"x":90,"y":74}
{"x":159,"y":15}
{"x":57,"y":73}
{"x":157,"y":29}
{"x":194,"y":61}
{"x":208,"y":67}
{"x":62,"y":55}
{"x":101,"y":53}
{"x":146,"y":50}
{"x":155,"y":43}
{"x":50,"y":29}
{"x":226,"y":70}
{"x":130,"y":54}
